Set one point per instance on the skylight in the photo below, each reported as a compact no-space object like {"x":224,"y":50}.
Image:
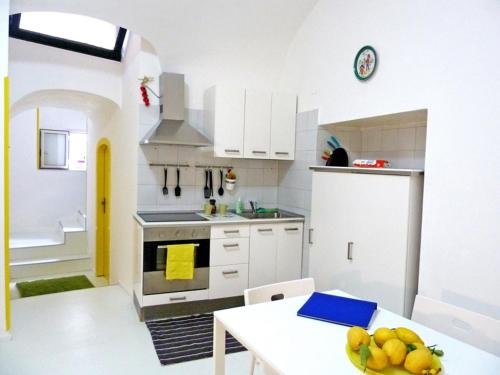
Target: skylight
{"x":69,"y":31}
{"x":71,"y":27}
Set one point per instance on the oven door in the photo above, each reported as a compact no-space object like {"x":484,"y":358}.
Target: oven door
{"x":154,"y":265}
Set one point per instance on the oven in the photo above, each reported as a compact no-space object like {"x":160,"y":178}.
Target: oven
{"x":156,"y":241}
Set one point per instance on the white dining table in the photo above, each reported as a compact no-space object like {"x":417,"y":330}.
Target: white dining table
{"x":293,"y":345}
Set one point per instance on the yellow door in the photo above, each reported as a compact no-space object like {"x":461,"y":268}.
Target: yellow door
{"x":103,"y":173}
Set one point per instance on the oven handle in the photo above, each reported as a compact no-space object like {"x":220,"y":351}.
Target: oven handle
{"x":166,"y":246}
{"x":183,"y":298}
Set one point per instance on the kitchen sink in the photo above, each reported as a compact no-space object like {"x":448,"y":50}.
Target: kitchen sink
{"x":267,"y":215}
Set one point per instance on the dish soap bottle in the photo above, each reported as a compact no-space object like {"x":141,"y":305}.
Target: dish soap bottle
{"x":239,"y":206}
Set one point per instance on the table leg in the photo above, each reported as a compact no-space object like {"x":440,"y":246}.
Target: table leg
{"x":219,"y":347}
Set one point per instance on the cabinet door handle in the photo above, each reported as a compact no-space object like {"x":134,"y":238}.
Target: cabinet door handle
{"x":231,"y":150}
{"x":232,"y":272}
{"x":281,"y":153}
{"x":310,"y":236}
{"x":265,"y":229}
{"x":183,"y":298}
{"x":259,"y":152}
{"x":291,"y":229}
{"x":349,"y":250}
{"x":232,"y":231}
{"x":230,"y":245}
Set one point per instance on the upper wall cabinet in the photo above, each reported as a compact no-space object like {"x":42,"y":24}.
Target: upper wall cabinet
{"x":283,"y":115}
{"x":225,"y":120}
{"x":251,"y":124}
{"x":257,"y":139}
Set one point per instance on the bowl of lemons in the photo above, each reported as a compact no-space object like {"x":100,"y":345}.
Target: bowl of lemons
{"x":392,"y":351}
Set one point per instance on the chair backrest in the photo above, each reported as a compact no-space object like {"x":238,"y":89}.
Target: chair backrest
{"x":468,"y":326}
{"x":278,"y":291}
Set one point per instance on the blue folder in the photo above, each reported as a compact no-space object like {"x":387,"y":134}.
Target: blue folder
{"x":339,"y":310}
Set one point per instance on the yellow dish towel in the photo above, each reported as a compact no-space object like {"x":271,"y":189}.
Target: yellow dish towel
{"x":180,"y":262}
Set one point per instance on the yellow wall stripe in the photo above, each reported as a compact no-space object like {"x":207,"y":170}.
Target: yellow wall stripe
{"x":37,"y":151}
{"x":6,"y":198}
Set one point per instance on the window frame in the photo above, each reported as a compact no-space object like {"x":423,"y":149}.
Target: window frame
{"x":43,"y":132}
{"x":31,"y":36}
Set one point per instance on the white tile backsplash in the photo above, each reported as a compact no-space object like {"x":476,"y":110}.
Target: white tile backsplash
{"x":406,"y":139}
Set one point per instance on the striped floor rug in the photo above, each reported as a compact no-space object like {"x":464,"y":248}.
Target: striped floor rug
{"x":187,"y":338}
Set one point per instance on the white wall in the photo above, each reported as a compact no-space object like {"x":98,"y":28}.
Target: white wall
{"x":120,"y":127}
{"x":4,"y":53}
{"x":34,"y":67}
{"x":435,"y":55}
{"x":39,"y":198}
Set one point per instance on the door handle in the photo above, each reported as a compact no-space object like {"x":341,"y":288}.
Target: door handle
{"x":231,"y":150}
{"x":310,"y":236}
{"x":230,"y":245}
{"x":281,"y":153}
{"x":103,"y":203}
{"x":349,"y":250}
{"x":231,"y":231}
{"x":265,"y":229}
{"x":232,"y":272}
{"x":291,"y":229}
{"x":259,"y":152}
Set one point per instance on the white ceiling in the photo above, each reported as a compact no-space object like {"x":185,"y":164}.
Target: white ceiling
{"x":184,"y":31}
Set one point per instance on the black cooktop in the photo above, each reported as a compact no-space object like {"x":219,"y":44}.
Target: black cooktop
{"x":159,"y":217}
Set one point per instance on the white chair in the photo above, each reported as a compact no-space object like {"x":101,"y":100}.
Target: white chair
{"x":473,"y":328}
{"x":273,"y":292}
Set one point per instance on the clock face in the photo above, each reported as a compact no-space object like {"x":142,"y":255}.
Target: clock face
{"x":365,"y":63}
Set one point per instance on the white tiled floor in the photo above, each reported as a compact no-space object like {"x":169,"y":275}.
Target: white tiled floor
{"x":91,"y":331}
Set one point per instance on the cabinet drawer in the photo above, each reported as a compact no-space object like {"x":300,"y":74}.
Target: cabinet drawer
{"x":228,"y":251}
{"x":229,"y":231}
{"x":228,"y":281}
{"x":165,"y":298}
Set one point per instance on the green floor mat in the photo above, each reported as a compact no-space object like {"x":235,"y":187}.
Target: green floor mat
{"x":48,"y":286}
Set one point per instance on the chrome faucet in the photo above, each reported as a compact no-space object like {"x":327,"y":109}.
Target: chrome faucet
{"x":253,"y":204}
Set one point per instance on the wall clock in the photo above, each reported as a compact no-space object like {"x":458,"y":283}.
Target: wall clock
{"x":365,"y":63}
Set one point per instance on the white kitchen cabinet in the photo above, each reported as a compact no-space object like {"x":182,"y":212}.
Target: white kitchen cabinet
{"x":366,"y":234}
{"x":289,"y":251}
{"x":262,"y":257}
{"x":228,"y":260}
{"x":257,"y":138}
{"x":283,"y":118}
{"x":275,"y":253}
{"x":224,"y":109}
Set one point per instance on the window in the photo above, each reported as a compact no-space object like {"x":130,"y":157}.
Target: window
{"x":61,"y":149}
{"x":54,"y":149}
{"x":69,"y":31}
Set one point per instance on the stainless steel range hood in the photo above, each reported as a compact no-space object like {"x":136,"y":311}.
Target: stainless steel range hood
{"x":172,"y":129}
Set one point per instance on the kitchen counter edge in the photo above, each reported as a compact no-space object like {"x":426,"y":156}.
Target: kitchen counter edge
{"x":386,"y":171}
{"x":216,"y":222}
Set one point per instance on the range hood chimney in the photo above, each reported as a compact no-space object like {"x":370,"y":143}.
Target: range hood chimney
{"x":172,"y":129}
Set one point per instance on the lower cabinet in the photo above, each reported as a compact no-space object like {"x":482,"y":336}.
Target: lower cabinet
{"x":228,"y":281}
{"x":228,"y":261}
{"x":275,"y":253}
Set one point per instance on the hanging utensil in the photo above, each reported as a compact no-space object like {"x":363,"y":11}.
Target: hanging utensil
{"x":221,"y":189}
{"x":331,"y":145}
{"x":211,"y":183}
{"x":206,"y":190}
{"x":165,"y":188}
{"x":178,"y":188}
{"x":335,"y":142}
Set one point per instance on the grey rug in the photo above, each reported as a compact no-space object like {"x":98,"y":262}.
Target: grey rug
{"x":187,"y":338}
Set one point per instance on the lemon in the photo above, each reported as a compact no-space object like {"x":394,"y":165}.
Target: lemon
{"x":408,"y":336}
{"x":418,"y":361}
{"x":395,"y":350}
{"x":419,"y":345}
{"x":357,"y":336}
{"x":378,"y":359}
{"x":381,"y":335}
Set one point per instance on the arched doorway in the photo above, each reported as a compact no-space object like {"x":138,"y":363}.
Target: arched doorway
{"x":103,"y":207}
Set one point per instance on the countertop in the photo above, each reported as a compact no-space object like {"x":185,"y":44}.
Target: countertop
{"x":387,"y":171}
{"x":231,"y":218}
